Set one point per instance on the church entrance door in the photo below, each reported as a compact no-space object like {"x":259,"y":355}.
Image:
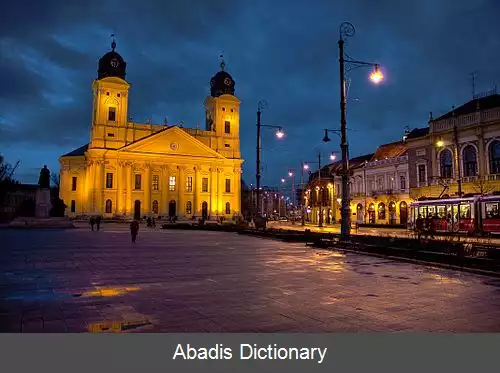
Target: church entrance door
{"x":172,"y":209}
{"x":137,"y":210}
{"x":204,"y":210}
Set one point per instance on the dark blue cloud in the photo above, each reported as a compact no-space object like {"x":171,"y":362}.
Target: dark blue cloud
{"x":282,"y":51}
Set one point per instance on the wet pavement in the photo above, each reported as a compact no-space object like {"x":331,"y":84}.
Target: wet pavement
{"x":187,"y":281}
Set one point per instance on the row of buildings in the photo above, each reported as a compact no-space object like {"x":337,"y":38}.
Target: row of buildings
{"x":456,"y":154}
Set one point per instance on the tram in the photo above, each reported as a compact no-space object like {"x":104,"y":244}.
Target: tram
{"x":479,"y":215}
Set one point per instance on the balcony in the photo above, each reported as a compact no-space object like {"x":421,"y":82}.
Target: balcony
{"x":493,"y":177}
{"x":471,"y":179}
{"x":388,"y":161}
{"x":466,"y":120}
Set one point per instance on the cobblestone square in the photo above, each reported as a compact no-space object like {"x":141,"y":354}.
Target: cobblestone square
{"x":195,"y":281}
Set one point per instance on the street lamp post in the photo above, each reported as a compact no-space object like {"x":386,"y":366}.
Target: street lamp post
{"x":347,"y":30}
{"x":292,"y":175}
{"x":279,"y":135}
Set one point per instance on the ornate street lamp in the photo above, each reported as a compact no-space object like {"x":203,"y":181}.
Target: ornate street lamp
{"x":347,"y":30}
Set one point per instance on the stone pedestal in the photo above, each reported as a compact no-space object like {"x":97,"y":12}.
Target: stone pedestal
{"x":43,"y":203}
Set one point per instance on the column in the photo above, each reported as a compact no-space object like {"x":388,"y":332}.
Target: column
{"x":237,"y":191}
{"x":147,"y":188}
{"x":181,"y":209}
{"x":213,"y":191}
{"x":128,"y":183}
{"x":220,"y":202}
{"x":98,"y":186}
{"x":118,"y":177}
{"x":196,"y":192}
{"x":89,"y":186}
{"x":482,"y":158}
{"x":163,"y":190}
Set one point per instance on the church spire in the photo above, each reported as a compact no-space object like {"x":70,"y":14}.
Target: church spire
{"x":222,"y":63}
{"x":113,"y":42}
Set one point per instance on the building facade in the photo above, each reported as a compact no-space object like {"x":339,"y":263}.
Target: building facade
{"x":379,"y":187}
{"x":459,"y":153}
{"x":135,"y":169}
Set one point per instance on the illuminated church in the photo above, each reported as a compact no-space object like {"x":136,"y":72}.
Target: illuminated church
{"x":133,"y":169}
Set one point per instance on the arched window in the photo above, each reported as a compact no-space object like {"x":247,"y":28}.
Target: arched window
{"x":228,"y":208}
{"x":381,"y":211}
{"x":446,"y":163}
{"x":109,"y":206}
{"x":155,"y":207}
{"x":494,"y":153}
{"x":189,"y":207}
{"x":470,"y":163}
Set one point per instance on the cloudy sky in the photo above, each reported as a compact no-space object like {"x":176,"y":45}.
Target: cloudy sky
{"x":281,"y":51}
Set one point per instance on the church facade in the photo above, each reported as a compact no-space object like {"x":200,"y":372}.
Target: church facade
{"x":133,"y":169}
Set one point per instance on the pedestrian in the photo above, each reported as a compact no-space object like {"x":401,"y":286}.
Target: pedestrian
{"x":98,"y":221}
{"x":92,"y":222}
{"x":419,"y":226}
{"x":134,"y":230}
{"x":154,"y":222}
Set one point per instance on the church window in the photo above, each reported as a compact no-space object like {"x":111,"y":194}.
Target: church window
{"x":227,"y":127}
{"x":109,"y":180}
{"x":228,"y":208}
{"x":204,"y":185}
{"x":171,"y":183}
{"x":189,"y":184}
{"x":232,"y":110}
{"x":156,"y":182}
{"x":73,"y":183}
{"x":227,"y":145}
{"x":155,"y":207}
{"x":107,"y":93}
{"x":73,"y":205}
{"x":111,"y":134}
{"x":189,"y":207}
{"x":112,"y":114}
{"x":223,"y":109}
{"x":109,"y":206}
{"x":228,"y":185}
{"x":118,"y":95}
{"x":137,"y":181}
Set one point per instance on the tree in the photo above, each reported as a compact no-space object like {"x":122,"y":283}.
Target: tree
{"x":7,"y":181}
{"x":483,"y":186}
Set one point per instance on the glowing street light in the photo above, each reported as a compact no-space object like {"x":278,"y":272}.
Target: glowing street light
{"x":306,"y":166}
{"x":279,"y":133}
{"x":333,"y":156}
{"x":290,"y":173}
{"x":440,"y":143}
{"x":376,"y":75}
{"x":283,"y":180}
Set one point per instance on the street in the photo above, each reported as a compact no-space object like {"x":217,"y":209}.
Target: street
{"x":197,"y":281}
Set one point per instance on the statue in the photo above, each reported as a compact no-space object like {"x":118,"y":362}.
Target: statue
{"x":44,"y":179}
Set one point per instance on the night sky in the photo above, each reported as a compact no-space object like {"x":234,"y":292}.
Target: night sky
{"x":283,"y":52}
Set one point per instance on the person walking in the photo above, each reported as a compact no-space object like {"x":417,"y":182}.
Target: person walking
{"x":134,"y":230}
{"x":92,"y":222}
{"x":98,"y":222}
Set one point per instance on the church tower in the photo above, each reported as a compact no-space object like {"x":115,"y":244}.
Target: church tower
{"x":110,"y":102}
{"x":222,"y":114}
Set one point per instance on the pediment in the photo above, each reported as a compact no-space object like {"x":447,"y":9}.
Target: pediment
{"x":171,"y":141}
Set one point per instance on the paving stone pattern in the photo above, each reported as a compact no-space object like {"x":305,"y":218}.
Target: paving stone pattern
{"x":194,"y":281}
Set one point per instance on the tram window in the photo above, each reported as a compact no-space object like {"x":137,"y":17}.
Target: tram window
{"x":492,"y":211}
{"x":431,"y":211}
{"x":465,"y":211}
{"x":422,"y":211}
{"x":441,"y":211}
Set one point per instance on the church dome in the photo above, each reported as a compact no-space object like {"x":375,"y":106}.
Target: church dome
{"x":222,"y":83}
{"x":112,"y":64}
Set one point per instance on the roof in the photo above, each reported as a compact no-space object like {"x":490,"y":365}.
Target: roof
{"x":77,"y":152}
{"x":392,"y":150}
{"x":336,"y":167}
{"x":484,"y":103}
{"x":418,"y":132}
